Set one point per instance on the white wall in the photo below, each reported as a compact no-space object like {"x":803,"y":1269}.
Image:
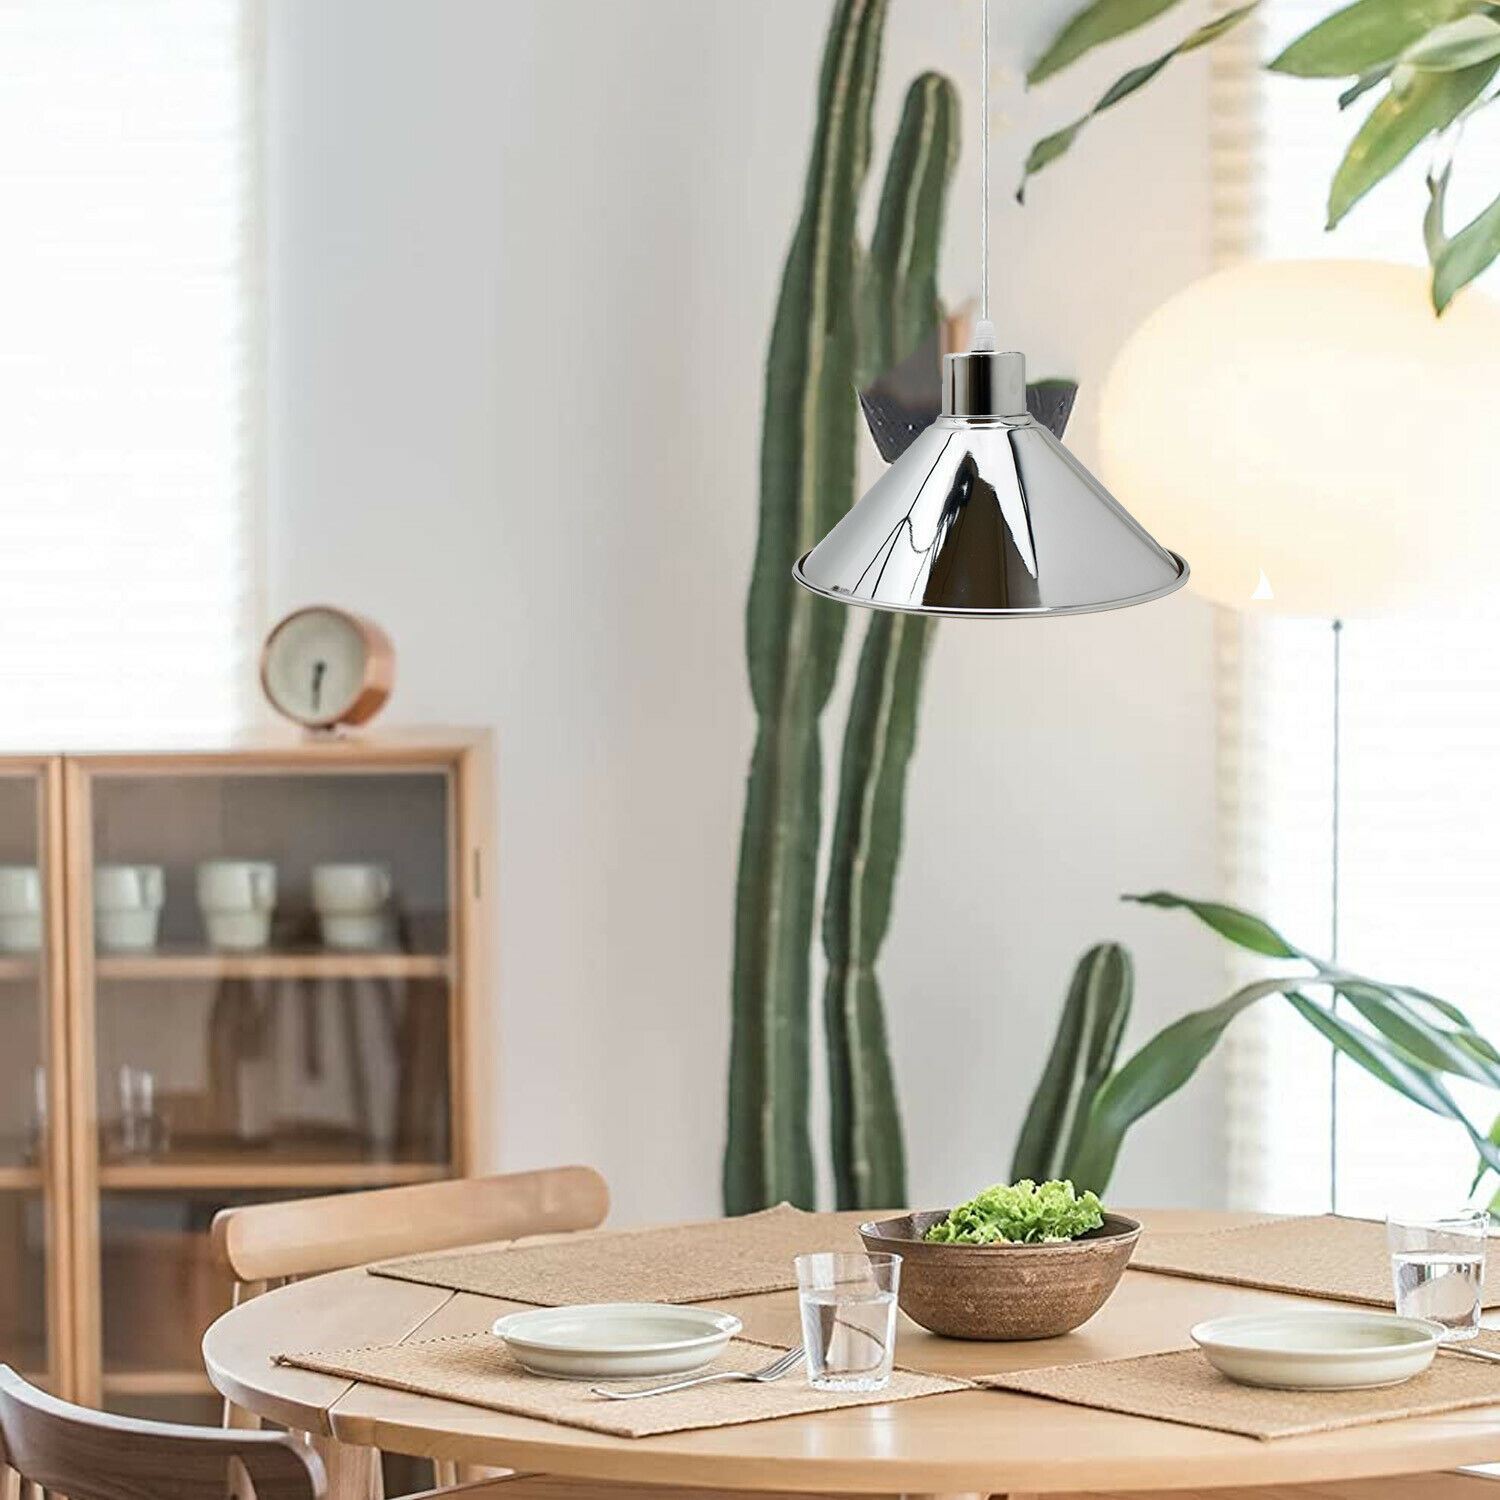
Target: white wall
{"x":523,"y":257}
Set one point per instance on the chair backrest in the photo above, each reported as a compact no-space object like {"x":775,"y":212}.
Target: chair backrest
{"x":264,"y":1242}
{"x":92,"y":1455}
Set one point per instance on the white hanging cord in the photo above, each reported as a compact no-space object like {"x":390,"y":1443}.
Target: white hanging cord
{"x":984,"y":331}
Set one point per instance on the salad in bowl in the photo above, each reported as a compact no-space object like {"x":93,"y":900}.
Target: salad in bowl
{"x":1022,"y":1260}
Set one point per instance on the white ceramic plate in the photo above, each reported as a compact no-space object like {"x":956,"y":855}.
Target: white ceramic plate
{"x":1322,"y":1350}
{"x":616,"y":1340}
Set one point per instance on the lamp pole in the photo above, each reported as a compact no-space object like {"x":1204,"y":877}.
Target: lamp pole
{"x":1333,"y":923}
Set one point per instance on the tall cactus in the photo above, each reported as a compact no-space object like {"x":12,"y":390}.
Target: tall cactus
{"x":899,"y":308}
{"x":1082,"y":1058}
{"x":792,"y":637}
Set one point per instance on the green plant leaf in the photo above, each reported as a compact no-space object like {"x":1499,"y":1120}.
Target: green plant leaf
{"x":1466,"y":1035}
{"x":1363,"y":84}
{"x":1242,"y":928}
{"x":1455,"y":44}
{"x":1397,"y":125}
{"x":1050,"y":147}
{"x":1095,"y":24}
{"x":1407,"y":1050}
{"x":1083,"y":1055}
{"x":1395,"y":1072}
{"x":1398,"y":1073}
{"x":1445,"y":1008}
{"x":1493,"y":1136}
{"x":1363,"y":36}
{"x":1465,"y":255}
{"x":1434,"y":237}
{"x":1153,"y":1074}
{"x":1426,"y":1045}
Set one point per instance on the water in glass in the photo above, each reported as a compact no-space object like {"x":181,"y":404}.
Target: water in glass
{"x":1437,"y":1267}
{"x":848,"y":1319}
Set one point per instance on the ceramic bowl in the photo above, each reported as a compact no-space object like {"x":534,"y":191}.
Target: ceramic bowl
{"x":1319,"y":1350}
{"x":1003,"y":1291}
{"x":615,"y":1340}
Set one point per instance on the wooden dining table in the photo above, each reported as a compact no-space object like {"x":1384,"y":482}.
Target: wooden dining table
{"x":971,"y":1442}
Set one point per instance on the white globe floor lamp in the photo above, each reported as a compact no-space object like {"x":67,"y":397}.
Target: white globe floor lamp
{"x":1320,"y":444}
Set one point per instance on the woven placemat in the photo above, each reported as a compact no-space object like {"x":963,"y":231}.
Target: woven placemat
{"x":1183,"y":1387}
{"x":683,"y":1263}
{"x":1343,"y":1260}
{"x":477,"y":1369}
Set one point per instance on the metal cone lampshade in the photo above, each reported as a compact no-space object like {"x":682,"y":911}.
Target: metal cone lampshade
{"x":987,"y":515}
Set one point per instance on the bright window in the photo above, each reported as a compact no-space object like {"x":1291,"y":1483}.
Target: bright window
{"x":129,"y":368}
{"x":1420,"y":848}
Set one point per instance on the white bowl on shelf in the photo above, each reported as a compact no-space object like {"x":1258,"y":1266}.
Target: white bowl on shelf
{"x":616,"y":1340}
{"x":1324,"y":1349}
{"x":360,"y":932}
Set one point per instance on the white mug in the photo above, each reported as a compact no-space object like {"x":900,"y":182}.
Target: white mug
{"x":127,"y":906}
{"x":20,"y":909}
{"x":237,"y":897}
{"x":350,"y":901}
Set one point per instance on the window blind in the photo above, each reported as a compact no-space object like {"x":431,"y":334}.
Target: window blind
{"x":129,"y":368}
{"x":1420,"y":716}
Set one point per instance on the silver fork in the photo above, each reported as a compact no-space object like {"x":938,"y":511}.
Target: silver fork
{"x":1487,"y":1355}
{"x":773,"y":1371}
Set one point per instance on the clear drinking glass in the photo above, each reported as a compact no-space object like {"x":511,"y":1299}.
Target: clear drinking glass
{"x":848,"y":1319}
{"x":1437,"y":1268}
{"x":142,"y":1129}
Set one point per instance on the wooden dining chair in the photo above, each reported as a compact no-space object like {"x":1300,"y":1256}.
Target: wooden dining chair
{"x":54,"y":1448}
{"x":264,"y":1245}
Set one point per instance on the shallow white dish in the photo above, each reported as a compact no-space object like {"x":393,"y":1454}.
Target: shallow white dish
{"x":1323,"y":1350}
{"x":616,"y":1340}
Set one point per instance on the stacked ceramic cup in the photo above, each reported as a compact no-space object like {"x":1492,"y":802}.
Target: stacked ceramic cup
{"x":237,"y":897}
{"x":20,"y":909}
{"x":350,"y":900}
{"x":127,"y":907}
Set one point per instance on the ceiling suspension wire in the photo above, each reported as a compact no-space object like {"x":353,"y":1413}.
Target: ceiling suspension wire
{"x":984,"y":162}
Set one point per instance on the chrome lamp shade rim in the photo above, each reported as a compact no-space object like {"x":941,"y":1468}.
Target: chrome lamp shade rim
{"x":1036,"y":612}
{"x":986,"y":515}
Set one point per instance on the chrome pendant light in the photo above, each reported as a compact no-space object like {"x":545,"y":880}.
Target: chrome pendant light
{"x":986,"y":514}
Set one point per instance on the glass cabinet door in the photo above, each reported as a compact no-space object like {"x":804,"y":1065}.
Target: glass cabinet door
{"x":267,"y":999}
{"x":33,"y":1217}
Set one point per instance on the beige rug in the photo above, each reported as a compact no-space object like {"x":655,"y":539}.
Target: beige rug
{"x":1344,"y":1260}
{"x":477,"y":1369}
{"x":1184,"y":1387}
{"x":684,"y":1263}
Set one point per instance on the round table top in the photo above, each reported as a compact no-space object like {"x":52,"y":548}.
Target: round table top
{"x":981,"y":1440}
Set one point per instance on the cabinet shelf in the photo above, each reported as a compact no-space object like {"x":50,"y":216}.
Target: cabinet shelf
{"x":14,"y":1179}
{"x":147,"y":1382}
{"x":19,"y":968}
{"x":222,"y":1173}
{"x":315,"y":963}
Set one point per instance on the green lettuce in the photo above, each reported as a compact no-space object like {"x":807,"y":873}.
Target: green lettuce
{"x":1022,"y":1214}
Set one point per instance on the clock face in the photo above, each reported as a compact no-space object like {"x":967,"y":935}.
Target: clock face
{"x":320,"y":668}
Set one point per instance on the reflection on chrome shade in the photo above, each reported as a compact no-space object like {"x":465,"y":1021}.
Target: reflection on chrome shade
{"x":987,"y":514}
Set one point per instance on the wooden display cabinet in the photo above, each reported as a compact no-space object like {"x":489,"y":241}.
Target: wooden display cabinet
{"x":150,"y":1088}
{"x":36,"y":1283}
